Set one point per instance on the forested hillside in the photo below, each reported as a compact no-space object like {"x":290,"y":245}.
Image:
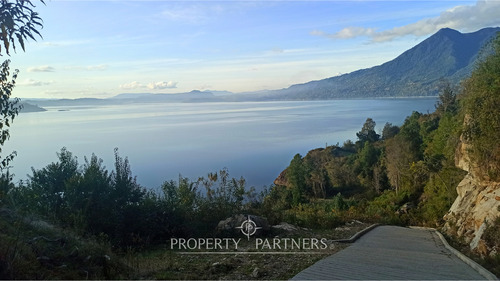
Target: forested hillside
{"x":409,"y":175}
{"x":448,"y":54}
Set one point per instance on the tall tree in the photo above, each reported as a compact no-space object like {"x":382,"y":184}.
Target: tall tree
{"x":367,"y":133}
{"x":296,"y":176}
{"x":399,"y":157}
{"x":447,"y":100}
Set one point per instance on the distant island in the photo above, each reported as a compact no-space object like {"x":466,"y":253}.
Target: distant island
{"x":28,"y":107}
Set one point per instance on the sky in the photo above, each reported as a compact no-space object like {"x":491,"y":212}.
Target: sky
{"x":100,"y":48}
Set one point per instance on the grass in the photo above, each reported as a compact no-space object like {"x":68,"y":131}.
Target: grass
{"x":163,"y":263}
{"x":491,"y":263}
{"x":33,"y":249}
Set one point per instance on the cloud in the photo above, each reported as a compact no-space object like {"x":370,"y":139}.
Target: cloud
{"x":43,"y":68}
{"x":194,"y":13}
{"x":466,"y":18}
{"x":152,"y":86}
{"x":162,"y":85}
{"x":346,"y":33}
{"x":34,"y":83}
{"x":66,"y":43}
{"x":98,"y":67}
{"x":197,"y":13}
{"x":132,"y":85}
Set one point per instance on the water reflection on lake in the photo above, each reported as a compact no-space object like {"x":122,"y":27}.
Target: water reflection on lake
{"x":255,"y":140}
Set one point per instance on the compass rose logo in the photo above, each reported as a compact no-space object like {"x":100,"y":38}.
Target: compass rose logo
{"x":248,"y":227}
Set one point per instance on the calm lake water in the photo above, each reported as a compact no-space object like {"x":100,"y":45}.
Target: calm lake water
{"x":256,"y":140}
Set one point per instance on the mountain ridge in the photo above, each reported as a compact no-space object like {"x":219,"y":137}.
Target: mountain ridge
{"x":418,"y":72}
{"x":447,"y":54}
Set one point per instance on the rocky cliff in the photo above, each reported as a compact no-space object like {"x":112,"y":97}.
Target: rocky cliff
{"x":476,"y":207}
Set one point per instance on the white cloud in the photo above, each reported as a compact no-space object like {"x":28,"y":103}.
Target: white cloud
{"x":42,"y":68}
{"x":132,"y":85}
{"x":346,"y":33}
{"x":152,"y":86}
{"x":192,"y":13}
{"x":34,"y":83}
{"x":98,"y":67}
{"x":162,"y":85}
{"x":465,"y":18}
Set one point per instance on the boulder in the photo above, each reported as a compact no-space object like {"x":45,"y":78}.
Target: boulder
{"x":232,"y":225}
{"x":284,"y":226}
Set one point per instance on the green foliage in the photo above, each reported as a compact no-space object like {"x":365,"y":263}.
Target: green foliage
{"x":491,"y":235}
{"x":339,"y":203}
{"x":315,"y":215}
{"x":367,"y":133}
{"x":389,"y":131}
{"x":366,"y":163}
{"x":277,"y":200}
{"x":296,"y":175}
{"x":88,"y":198}
{"x":442,"y":142}
{"x":410,"y":132}
{"x":33,"y":249}
{"x":384,"y":208}
{"x":94,"y":201}
{"x":399,"y":157}
{"x":48,"y":185}
{"x":439,"y":194}
{"x":224,"y":197}
{"x":447,"y":100}
{"x":18,"y":23}
{"x":9,"y":109}
{"x":341,"y":173}
{"x":482,"y":114}
{"x":5,"y":186}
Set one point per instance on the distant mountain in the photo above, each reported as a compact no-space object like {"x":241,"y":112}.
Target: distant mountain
{"x":131,"y":96}
{"x":193,"y":96}
{"x":448,"y":54}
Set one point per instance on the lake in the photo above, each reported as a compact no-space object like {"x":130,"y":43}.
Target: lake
{"x":256,"y":140}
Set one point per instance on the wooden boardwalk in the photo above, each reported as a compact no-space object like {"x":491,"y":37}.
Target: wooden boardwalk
{"x":390,"y":253}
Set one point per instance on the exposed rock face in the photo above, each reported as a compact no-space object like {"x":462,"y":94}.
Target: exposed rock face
{"x":281,"y":179}
{"x":476,"y":206}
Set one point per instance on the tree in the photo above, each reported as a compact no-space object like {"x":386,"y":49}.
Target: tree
{"x":447,"y":100}
{"x":9,"y":109}
{"x":368,"y":157}
{"x":49,"y":185}
{"x":367,"y":133}
{"x":389,"y":131}
{"x":410,"y":131}
{"x":399,"y":157}
{"x":482,"y":114}
{"x":319,"y":180}
{"x":296,"y":176}
{"x":18,"y":22}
